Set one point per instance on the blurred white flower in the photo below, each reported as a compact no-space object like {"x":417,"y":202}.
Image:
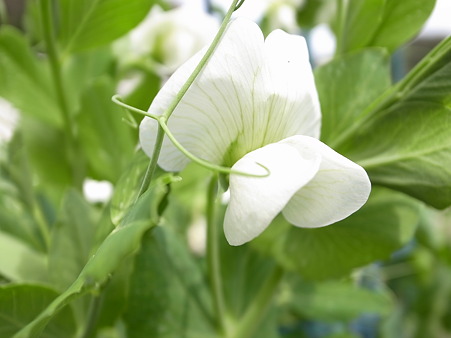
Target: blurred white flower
{"x":168,"y":38}
{"x":9,"y":118}
{"x":97,"y":191}
{"x":255,"y":104}
{"x":197,"y":236}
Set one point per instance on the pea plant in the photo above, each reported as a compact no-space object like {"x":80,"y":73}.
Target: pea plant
{"x":252,"y":193}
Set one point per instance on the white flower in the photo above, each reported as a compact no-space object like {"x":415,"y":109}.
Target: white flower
{"x":170,"y":38}
{"x":256,"y":103}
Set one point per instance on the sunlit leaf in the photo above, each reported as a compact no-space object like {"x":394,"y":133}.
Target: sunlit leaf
{"x":347,"y":85}
{"x":25,"y":80}
{"x":87,"y":24}
{"x":405,"y":141}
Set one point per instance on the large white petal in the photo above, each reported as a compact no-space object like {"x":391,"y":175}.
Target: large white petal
{"x":339,"y":188}
{"x":255,"y":201}
{"x":251,"y":93}
{"x":293,"y":103}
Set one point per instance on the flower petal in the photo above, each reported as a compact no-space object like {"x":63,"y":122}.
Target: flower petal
{"x":339,"y":188}
{"x":251,"y":93}
{"x":294,"y":100}
{"x":255,"y":201}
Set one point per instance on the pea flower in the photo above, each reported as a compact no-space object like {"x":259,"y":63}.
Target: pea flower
{"x":255,"y":106}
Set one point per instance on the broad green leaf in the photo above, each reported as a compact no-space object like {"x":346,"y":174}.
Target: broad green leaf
{"x":106,"y":140}
{"x":362,"y":19}
{"x":20,"y":263}
{"x":401,"y":21}
{"x":121,"y":243}
{"x":20,"y":303}
{"x":404,"y":142}
{"x":71,"y":241}
{"x":88,"y":24}
{"x":347,"y":85}
{"x":25,"y":80}
{"x":167,"y":294}
{"x":384,"y":224}
{"x":336,"y":300}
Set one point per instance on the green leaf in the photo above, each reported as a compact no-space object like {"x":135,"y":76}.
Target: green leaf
{"x":20,"y":303}
{"x":361,"y":21}
{"x":336,"y":301}
{"x":347,"y":85}
{"x":71,"y":241}
{"x":106,"y":140}
{"x":404,"y":142}
{"x":25,"y":80}
{"x":401,"y":21}
{"x":121,"y":243}
{"x":128,"y":186}
{"x":20,"y":263}
{"x":167,"y":294}
{"x":88,"y":24}
{"x":384,"y":224}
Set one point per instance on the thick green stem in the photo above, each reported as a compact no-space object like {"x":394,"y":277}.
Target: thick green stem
{"x":48,"y":32}
{"x":213,"y":257}
{"x":259,"y":306}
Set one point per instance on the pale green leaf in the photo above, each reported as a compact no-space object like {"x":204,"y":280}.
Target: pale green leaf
{"x":25,"y":80}
{"x":337,"y":300}
{"x":19,"y":262}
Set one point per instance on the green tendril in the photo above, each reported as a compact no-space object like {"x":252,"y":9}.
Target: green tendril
{"x":118,"y":100}
{"x":162,"y":122}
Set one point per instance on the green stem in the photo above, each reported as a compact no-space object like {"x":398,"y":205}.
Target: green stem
{"x":259,"y":307}
{"x":153,"y":163}
{"x":48,"y":29}
{"x":202,"y":62}
{"x":213,"y":256}
{"x":341,"y":12}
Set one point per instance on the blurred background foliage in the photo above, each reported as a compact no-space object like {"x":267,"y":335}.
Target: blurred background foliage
{"x":64,"y":147}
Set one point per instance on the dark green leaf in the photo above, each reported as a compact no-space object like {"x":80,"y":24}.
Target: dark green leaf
{"x":384,"y":224}
{"x":91,"y":23}
{"x":19,"y":304}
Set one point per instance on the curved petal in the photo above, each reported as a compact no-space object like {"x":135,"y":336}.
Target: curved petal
{"x":294,"y":102}
{"x":251,"y":93}
{"x":339,"y":188}
{"x":255,"y":201}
